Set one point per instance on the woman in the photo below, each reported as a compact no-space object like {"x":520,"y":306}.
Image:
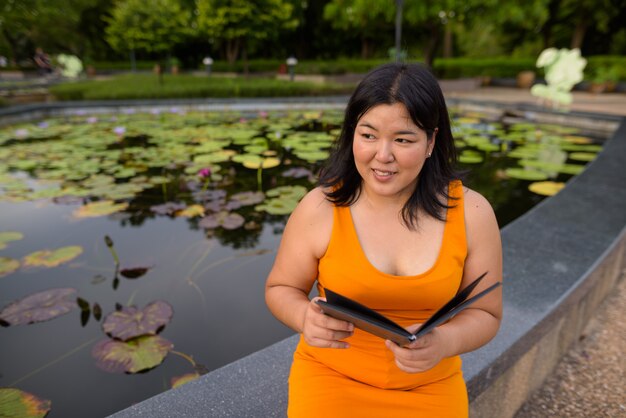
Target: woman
{"x":392,"y":227}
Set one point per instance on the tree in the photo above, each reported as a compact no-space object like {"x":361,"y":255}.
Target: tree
{"x":153,"y":26}
{"x":238,"y":23}
{"x":367,"y":18}
{"x":51,"y":24}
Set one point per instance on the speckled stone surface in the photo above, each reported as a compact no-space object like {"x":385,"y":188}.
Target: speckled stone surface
{"x":549,"y":253}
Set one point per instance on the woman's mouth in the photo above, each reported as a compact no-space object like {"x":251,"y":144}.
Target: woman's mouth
{"x":382,"y":173}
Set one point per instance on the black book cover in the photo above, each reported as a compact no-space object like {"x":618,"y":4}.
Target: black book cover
{"x":368,"y":320}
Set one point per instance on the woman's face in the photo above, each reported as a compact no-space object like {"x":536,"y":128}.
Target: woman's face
{"x":390,"y":150}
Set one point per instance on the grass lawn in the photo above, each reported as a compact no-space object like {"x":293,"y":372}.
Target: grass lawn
{"x":147,"y":86}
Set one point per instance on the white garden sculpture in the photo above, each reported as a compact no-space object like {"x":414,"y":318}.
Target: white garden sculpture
{"x":563,"y":69}
{"x":71,"y":66}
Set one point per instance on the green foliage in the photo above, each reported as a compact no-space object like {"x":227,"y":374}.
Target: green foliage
{"x":46,"y":23}
{"x":147,"y":25}
{"x":239,"y":22}
{"x":362,"y":16}
{"x":476,"y":67}
{"x":614,"y":64}
{"x":184,"y":86}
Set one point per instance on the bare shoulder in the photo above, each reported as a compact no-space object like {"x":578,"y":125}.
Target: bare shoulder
{"x":312,"y":220}
{"x":480,"y":218}
{"x":314,"y":207}
{"x":477,"y":207}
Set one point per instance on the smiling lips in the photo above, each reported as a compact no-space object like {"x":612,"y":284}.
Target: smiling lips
{"x":381,"y":173}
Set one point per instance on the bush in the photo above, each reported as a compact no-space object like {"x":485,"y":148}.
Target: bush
{"x":599,"y":63}
{"x":146,"y":86}
{"x":503,"y":67}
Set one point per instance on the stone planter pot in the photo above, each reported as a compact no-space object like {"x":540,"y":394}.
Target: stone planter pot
{"x":525,"y":79}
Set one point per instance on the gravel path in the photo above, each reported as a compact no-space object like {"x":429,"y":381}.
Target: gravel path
{"x":590,"y":381}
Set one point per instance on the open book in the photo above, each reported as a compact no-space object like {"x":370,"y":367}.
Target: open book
{"x":364,"y":318}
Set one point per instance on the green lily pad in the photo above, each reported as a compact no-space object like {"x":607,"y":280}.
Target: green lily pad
{"x":8,"y":265}
{"x":181,"y":380}
{"x":131,"y":322}
{"x":470,"y":157}
{"x":52,"y":258}
{"x":39,"y":307}
{"x":136,"y":355}
{"x":312,"y":156}
{"x":582,"y":156}
{"x":546,"y":188}
{"x":525,"y":174}
{"x":15,"y":403}
{"x":100,"y":208}
{"x":283,"y":200}
{"x":8,"y":236}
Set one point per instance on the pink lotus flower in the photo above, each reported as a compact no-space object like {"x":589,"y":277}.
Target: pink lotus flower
{"x":204,"y":172}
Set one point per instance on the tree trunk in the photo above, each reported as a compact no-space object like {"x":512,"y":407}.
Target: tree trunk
{"x":546,"y":30}
{"x":447,"y":40}
{"x":365,"y":48}
{"x":433,"y":44}
{"x":244,"y":56}
{"x":579,"y":31}
{"x":12,"y":47}
{"x":232,"y":50}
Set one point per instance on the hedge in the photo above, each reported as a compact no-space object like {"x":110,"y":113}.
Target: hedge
{"x":147,"y":86}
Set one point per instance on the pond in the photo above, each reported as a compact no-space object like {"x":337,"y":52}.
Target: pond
{"x":134,"y":247}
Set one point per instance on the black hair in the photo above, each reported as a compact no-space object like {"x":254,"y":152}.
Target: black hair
{"x":417,"y":89}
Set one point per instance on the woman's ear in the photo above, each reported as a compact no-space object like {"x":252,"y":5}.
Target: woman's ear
{"x":431,"y":141}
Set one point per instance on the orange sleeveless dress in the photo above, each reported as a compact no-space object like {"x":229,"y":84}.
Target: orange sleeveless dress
{"x":363,"y":380}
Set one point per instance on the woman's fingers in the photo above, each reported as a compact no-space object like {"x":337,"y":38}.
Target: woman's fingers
{"x":321,"y":330}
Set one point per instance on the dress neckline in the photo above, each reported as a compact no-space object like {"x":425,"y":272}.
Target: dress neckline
{"x":440,"y":253}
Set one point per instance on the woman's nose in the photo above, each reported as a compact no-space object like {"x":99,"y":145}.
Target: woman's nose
{"x":384,"y":152}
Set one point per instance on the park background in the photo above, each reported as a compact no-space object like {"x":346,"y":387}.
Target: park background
{"x":487,"y":40}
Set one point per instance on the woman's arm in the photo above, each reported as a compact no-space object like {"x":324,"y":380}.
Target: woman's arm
{"x":478,"y":324}
{"x":295,"y":270}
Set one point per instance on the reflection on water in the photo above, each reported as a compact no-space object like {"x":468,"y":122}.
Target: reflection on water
{"x":194,"y":205}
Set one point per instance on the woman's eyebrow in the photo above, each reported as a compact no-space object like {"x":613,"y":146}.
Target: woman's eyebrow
{"x":367,"y":125}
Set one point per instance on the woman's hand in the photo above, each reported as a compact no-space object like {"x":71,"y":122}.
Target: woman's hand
{"x":422,"y":354}
{"x":323,"y":331}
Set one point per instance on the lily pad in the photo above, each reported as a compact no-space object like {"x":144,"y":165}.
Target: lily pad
{"x":582,"y":156}
{"x":136,"y":355}
{"x":248,"y":198}
{"x":131,"y":322}
{"x":168,"y":208}
{"x":224,"y":219}
{"x":8,"y":265}
{"x":297,"y":172}
{"x":470,"y":157}
{"x":8,"y":236}
{"x":546,"y":188}
{"x":48,"y":258}
{"x":191,"y":211}
{"x":525,"y":174}
{"x":254,"y":161}
{"x":101,"y":208}
{"x":39,"y":307}
{"x":15,"y":403}
{"x":134,"y":272}
{"x":181,"y":380}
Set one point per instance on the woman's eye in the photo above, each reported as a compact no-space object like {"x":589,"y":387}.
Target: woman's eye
{"x":403,"y":140}
{"x":367,"y":136}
